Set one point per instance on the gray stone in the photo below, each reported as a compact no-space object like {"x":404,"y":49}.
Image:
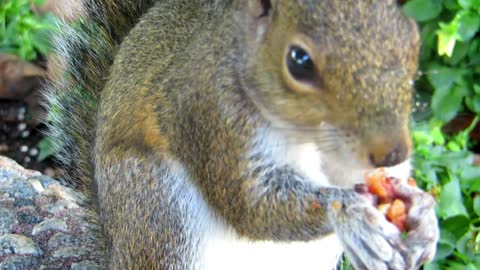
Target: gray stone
{"x":7,"y":221}
{"x":18,"y":244}
{"x":5,"y":175}
{"x":18,"y":188}
{"x":59,"y":207}
{"x":19,"y":262}
{"x":44,"y":180}
{"x":27,"y":217}
{"x":50,"y":224}
{"x":63,"y":240}
{"x":70,"y":252}
{"x":23,"y":203}
{"x":85,"y":265}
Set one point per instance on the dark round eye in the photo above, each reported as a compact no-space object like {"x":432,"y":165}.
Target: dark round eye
{"x":300,"y":63}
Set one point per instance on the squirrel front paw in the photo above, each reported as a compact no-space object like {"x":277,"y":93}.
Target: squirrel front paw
{"x":423,"y":232}
{"x":372,"y":242}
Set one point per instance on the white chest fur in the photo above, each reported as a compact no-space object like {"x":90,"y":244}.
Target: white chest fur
{"x":225,"y":250}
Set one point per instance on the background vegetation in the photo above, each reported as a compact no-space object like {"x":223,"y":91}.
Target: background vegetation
{"x":449,"y":85}
{"x":448,"y":88}
{"x":22,"y":32}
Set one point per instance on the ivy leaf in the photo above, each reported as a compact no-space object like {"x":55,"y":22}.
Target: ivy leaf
{"x":468,"y":25}
{"x":450,"y":202}
{"x":470,"y":179}
{"x":476,"y":205}
{"x":447,"y":37}
{"x":473,"y":103}
{"x":459,"y":53}
{"x":46,"y":149}
{"x":446,"y":244}
{"x":447,"y":102}
{"x":454,"y":228}
{"x":447,"y":97}
{"x":442,"y":77}
{"x":422,"y":10}
{"x":467,"y":4}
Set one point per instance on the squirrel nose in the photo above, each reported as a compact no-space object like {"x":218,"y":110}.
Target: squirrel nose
{"x":387,"y":155}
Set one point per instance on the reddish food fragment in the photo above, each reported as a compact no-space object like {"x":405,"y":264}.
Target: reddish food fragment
{"x":381,"y":186}
{"x":411,"y":182}
{"x":400,"y":222}
{"x":336,"y":205}
{"x":316,"y":205}
{"x":393,"y":207}
{"x":397,"y":214}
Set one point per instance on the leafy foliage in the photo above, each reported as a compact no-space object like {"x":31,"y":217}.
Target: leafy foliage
{"x":444,"y":166}
{"x":450,"y":55}
{"x":450,"y":61}
{"x":21,"y":31}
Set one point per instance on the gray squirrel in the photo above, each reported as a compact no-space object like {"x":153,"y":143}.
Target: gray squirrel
{"x":230,"y":134}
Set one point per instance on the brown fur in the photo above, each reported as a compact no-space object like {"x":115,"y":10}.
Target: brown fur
{"x":190,"y":87}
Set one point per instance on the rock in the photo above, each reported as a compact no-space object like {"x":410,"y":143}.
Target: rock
{"x":54,"y":224}
{"x":18,"y":188}
{"x":70,"y":253}
{"x":7,"y":221}
{"x":10,"y":168}
{"x":63,"y":240}
{"x":85,"y":265}
{"x":59,"y":206}
{"x":18,"y":244}
{"x":29,"y":218}
{"x":44,"y":224}
{"x":19,"y":262}
{"x":23,"y":202}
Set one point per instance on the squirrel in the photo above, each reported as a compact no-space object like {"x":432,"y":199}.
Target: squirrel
{"x":230,"y":134}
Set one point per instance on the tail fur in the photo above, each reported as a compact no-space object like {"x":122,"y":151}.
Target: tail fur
{"x":86,"y":48}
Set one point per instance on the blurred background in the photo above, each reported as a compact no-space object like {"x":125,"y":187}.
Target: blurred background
{"x":444,"y":120}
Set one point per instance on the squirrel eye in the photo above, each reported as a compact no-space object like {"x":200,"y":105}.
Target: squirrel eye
{"x":300,"y":64}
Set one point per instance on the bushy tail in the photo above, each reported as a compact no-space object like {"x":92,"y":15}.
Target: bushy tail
{"x":85,"y":49}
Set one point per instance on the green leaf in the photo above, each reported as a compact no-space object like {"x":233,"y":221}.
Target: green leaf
{"x":442,"y":77}
{"x":422,"y":137}
{"x":446,"y":43}
{"x":453,"y":146}
{"x":447,"y":102}
{"x":467,"y":4}
{"x":454,"y":228}
{"x":446,"y":244}
{"x":451,"y":4}
{"x":468,"y":25}
{"x":431,"y":266}
{"x":46,"y":149}
{"x":450,"y":202}
{"x":476,"y":205}
{"x":473,"y":103}
{"x":459,"y":53}
{"x":476,"y":89}
{"x":470,"y":179}
{"x":437,"y":135}
{"x":453,"y":161}
{"x":422,"y":10}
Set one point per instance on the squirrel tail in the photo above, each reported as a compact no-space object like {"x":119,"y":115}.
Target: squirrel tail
{"x":85,"y":49}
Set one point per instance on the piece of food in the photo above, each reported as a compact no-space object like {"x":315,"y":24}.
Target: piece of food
{"x":387,"y":201}
{"x":397,"y":214}
{"x":378,"y":184}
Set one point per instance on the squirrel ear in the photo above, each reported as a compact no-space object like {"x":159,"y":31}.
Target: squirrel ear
{"x":260,"y":8}
{"x":255,"y":16}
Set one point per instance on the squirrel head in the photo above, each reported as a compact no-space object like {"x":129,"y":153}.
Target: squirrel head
{"x":337,"y":73}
